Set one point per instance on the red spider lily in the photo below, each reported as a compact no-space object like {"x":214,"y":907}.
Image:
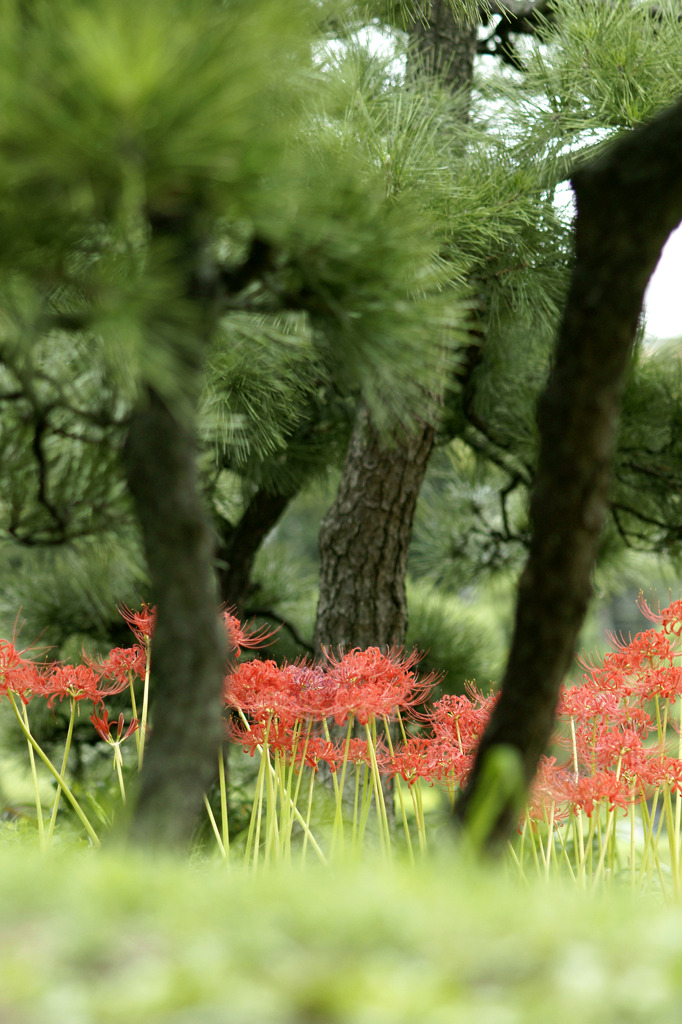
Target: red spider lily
{"x":669,"y":773}
{"x":460,"y":719}
{"x":413,"y":760}
{"x":586,"y":791}
{"x":606,"y":748}
{"x":262,"y":688}
{"x":615,"y":674}
{"x":448,"y":765}
{"x":316,"y":690}
{"x":318,"y":750}
{"x":670,"y":618}
{"x":82,"y":682}
{"x":278,"y":736}
{"x":665,"y":682}
{"x":78,"y":681}
{"x":104,"y":727}
{"x":18,"y":674}
{"x":121,"y":664}
{"x":357,"y":752}
{"x":371,"y":684}
{"x":237,"y":636}
{"x":141,"y":623}
{"x":646,"y":648}
{"x":587,"y":703}
{"x":548,"y":792}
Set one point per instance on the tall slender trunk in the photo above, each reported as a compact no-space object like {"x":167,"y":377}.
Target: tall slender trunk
{"x":239,"y":544}
{"x":188,"y":647}
{"x":628,"y":201}
{"x":365,"y":536}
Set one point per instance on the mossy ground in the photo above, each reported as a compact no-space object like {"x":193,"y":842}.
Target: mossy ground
{"x":116,"y":937}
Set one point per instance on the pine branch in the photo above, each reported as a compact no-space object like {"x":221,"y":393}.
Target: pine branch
{"x":267,"y":613}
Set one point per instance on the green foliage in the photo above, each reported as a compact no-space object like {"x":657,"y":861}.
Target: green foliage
{"x":593,"y":69}
{"x":56,"y":594}
{"x":646,"y":494}
{"x":397,"y":14}
{"x":470,"y":523}
{"x":121,"y":938}
{"x":608,"y":65}
{"x":390,"y":230}
{"x":461,"y":640}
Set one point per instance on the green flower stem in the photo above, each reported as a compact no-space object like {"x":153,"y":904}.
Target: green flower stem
{"x":648,"y":819}
{"x":36,"y":788}
{"x":337,"y":831}
{"x":356,"y":804}
{"x":406,"y":829}
{"x":272,"y":844}
{"x":257,"y":810}
{"x":564,"y":852}
{"x":515,"y":857}
{"x":306,"y":825}
{"x":586,"y":854}
{"x":67,"y":748}
{"x":133,"y":707}
{"x":416,"y":792}
{"x":606,"y":846}
{"x":365,"y":805}
{"x":534,"y":848}
{"x":399,"y":791}
{"x":214,"y":826}
{"x":53,"y":771}
{"x":145,"y":707}
{"x":672,"y":845}
{"x":548,"y":854}
{"x":299,"y":777}
{"x":382,"y":817}
{"x":118,"y":765}
{"x":678,"y":797}
{"x":335,"y":781}
{"x":225,"y":830}
{"x":297,"y":814}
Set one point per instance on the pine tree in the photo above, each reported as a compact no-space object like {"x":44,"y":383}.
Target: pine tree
{"x":164,"y":179}
{"x":228,"y":237}
{"x":545,"y":117}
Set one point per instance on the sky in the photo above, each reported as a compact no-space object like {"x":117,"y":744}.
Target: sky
{"x":663,"y":300}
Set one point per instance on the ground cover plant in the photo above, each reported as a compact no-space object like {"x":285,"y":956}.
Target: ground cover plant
{"x":112,"y":937}
{"x":348,"y":753}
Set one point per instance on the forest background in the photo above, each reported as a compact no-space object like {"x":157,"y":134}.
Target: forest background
{"x":431,"y":242}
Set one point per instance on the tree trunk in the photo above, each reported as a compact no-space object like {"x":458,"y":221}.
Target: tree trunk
{"x":365,"y":536}
{"x":188,"y":647}
{"x":628,"y":203}
{"x":364,"y":540}
{"x":238,"y":545}
{"x":445,"y":47}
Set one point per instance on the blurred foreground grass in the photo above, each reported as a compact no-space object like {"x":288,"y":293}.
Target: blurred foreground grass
{"x":112,"y":937}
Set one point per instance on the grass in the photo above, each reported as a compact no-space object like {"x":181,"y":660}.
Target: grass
{"x":111,"y":936}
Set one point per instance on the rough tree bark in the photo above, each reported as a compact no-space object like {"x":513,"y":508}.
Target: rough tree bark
{"x":365,"y":536}
{"x":364,"y":540}
{"x":188,"y":647}
{"x":628,"y":202}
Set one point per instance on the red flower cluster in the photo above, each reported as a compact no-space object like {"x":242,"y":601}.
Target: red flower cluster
{"x":291,"y":706}
{"x":610,"y":725}
{"x":614,"y":724}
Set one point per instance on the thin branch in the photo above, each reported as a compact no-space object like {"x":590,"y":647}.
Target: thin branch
{"x":267,"y":613}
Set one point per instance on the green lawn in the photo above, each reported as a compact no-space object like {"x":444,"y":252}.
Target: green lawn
{"x":109,"y":937}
